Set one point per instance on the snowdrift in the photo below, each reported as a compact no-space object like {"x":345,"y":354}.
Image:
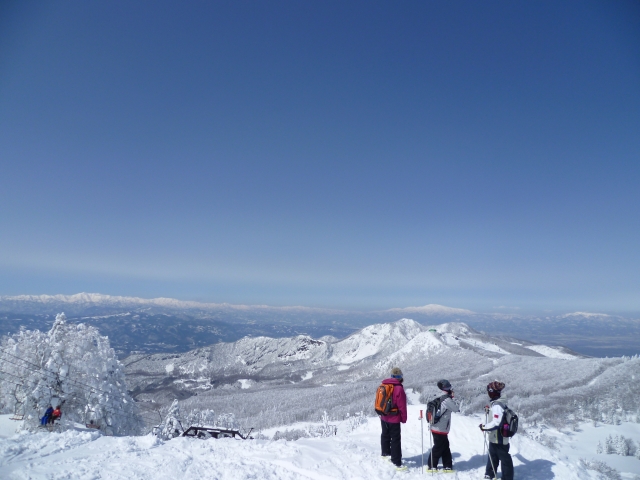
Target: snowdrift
{"x":348,"y":455}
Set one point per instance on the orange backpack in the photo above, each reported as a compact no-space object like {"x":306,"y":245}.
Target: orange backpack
{"x":384,"y":400}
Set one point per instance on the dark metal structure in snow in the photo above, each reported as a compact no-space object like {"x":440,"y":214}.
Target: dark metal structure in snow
{"x":214,"y":432}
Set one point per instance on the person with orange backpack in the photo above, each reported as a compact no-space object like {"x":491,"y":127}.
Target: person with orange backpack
{"x":391,"y":405}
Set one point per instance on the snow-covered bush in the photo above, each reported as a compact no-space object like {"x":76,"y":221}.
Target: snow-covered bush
{"x":549,"y":441}
{"x":618,"y":445}
{"x":290,"y":435}
{"x":72,"y":366}
{"x":354,"y":421}
{"x":606,"y":472}
{"x":325,"y":430}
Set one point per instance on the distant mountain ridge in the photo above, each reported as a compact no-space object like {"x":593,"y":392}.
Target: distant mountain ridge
{"x":171,"y":325}
{"x":98,"y":299}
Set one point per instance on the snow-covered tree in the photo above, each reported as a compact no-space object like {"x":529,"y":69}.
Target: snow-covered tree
{"x":226,"y":420}
{"x":624,"y":446}
{"x":201,"y":418}
{"x":609,"y":446}
{"x":171,"y":426}
{"x":72,"y":366}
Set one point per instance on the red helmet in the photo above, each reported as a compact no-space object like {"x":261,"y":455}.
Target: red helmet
{"x":494,"y":389}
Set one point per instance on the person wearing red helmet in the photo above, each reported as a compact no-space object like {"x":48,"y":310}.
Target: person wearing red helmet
{"x":498,"y":445}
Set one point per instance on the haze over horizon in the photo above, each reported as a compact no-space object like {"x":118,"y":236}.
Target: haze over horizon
{"x":360,"y":155}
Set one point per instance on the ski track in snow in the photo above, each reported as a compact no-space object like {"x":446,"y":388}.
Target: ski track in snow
{"x":354,"y":455}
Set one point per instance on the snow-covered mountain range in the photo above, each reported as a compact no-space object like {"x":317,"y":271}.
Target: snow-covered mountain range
{"x":301,"y":353}
{"x":301,"y":371}
{"x":170,"y":325}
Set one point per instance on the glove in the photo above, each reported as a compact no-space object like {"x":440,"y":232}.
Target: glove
{"x":481,"y":427}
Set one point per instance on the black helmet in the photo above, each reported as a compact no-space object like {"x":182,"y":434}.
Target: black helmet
{"x":444,"y":385}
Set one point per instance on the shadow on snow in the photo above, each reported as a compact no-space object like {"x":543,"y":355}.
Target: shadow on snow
{"x":529,"y":470}
{"x":533,"y":469}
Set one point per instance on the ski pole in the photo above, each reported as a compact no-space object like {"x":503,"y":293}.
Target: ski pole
{"x":486,"y":419}
{"x":486,"y":447}
{"x":431,"y":449}
{"x":421,"y":443}
{"x":495,"y":475}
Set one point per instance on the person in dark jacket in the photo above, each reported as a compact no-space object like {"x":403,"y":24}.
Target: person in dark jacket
{"x":47,"y":415}
{"x":440,"y":429}
{"x":498,"y":445}
{"x":390,"y":439}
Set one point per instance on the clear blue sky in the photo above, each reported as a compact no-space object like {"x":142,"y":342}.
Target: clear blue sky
{"x":329,"y":153}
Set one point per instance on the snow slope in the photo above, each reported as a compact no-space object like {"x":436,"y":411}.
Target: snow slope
{"x":348,"y":455}
{"x":552,"y":352}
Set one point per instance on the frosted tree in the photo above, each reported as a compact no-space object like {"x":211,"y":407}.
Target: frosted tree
{"x":201,"y":418}
{"x":71,"y":366}
{"x":226,"y":420}
{"x":624,"y":446}
{"x":599,"y":448}
{"x":609,"y":446}
{"x":171,"y":427}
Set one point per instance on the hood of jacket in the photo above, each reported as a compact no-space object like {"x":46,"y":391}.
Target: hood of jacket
{"x":393,"y":381}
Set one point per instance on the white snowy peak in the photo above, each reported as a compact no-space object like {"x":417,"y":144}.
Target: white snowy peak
{"x":376,"y":339}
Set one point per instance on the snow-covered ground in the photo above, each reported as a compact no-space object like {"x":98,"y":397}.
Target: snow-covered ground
{"x":348,"y":455}
{"x":582,"y":444}
{"x":551,"y":352}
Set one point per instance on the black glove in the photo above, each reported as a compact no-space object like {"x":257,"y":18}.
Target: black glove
{"x":481,"y":427}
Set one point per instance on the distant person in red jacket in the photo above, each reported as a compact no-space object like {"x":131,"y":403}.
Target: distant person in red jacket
{"x":390,"y":439}
{"x":55,"y":415}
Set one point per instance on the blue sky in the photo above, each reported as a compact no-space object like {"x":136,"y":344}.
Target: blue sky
{"x":342,"y":154}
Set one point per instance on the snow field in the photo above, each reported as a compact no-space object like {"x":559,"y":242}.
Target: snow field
{"x":348,"y":455}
